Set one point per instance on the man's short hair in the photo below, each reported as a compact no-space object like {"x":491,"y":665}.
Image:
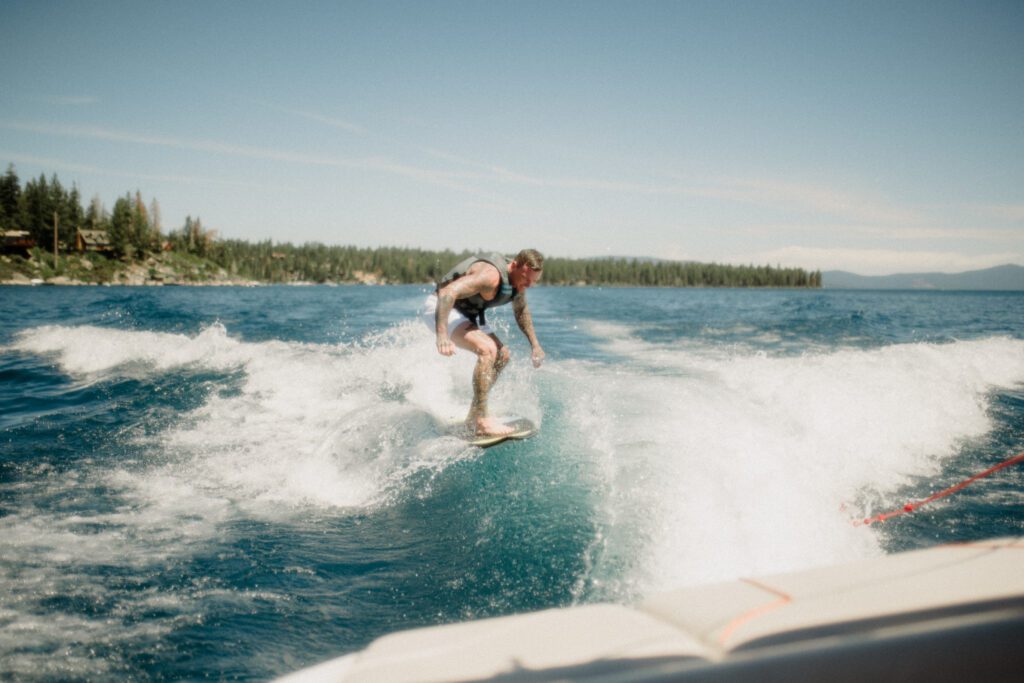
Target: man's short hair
{"x":531,"y":258}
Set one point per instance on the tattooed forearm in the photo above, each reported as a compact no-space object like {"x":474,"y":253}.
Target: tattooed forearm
{"x":523,"y":318}
{"x":525,"y":322}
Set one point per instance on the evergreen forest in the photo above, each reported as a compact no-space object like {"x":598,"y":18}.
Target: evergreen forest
{"x":133,"y":232}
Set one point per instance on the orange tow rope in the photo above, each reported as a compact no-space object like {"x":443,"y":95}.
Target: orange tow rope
{"x":910,"y":507}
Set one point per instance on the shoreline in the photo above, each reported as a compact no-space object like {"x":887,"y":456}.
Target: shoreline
{"x":62,"y":281}
{"x":154,"y":272}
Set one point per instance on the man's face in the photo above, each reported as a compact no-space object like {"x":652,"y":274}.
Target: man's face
{"x":522,"y":276}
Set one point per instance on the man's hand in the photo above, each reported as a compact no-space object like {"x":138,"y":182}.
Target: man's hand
{"x":445,"y":346}
{"x":537,"y":356}
{"x":481,"y":278}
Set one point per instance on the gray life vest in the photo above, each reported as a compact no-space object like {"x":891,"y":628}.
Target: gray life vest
{"x":473,"y":307}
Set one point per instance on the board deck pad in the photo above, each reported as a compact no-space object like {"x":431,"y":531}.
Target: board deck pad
{"x":522,"y":429}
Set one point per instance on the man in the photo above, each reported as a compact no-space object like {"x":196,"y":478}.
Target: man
{"x":456,"y":312}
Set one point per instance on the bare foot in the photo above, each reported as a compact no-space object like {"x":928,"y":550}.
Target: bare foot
{"x":488,"y":426}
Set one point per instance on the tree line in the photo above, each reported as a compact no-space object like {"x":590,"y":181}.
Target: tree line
{"x":283,"y":262}
{"x":134,"y":231}
{"x":657,"y":273}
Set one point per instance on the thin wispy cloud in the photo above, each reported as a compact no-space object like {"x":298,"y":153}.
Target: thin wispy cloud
{"x":68,"y":100}
{"x":48,"y":162}
{"x":1010,"y":213}
{"x":72,"y":167}
{"x":883,"y":261}
{"x":326,"y":120}
{"x":455,"y":180}
{"x":857,"y":215}
{"x":972,"y":234}
{"x":854,"y":214}
{"x":502,"y":174}
{"x":452,"y":179}
{"x":845,"y":204}
{"x":459,"y":180}
{"x":940,"y":233}
{"x":443,"y":178}
{"x":112,"y":135}
{"x":484,"y":170}
{"x":449,"y":179}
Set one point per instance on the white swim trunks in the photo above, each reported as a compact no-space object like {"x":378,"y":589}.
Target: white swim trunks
{"x":455,"y":318}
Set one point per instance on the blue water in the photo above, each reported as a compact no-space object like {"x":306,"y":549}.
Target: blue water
{"x":235,"y":483}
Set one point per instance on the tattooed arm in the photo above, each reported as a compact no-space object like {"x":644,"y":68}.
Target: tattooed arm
{"x":525,"y":322}
{"x":481,"y":278}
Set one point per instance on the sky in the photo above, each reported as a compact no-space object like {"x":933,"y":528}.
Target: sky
{"x":874,"y":137}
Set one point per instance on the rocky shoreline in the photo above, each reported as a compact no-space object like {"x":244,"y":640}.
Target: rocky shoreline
{"x":80,"y":271}
{"x":62,"y":280}
{"x":153,"y":272}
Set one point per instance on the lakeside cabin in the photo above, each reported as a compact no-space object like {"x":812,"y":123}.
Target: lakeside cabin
{"x":93,"y":240}
{"x":16,"y":242}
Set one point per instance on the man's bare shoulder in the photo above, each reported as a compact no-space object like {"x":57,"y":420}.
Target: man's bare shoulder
{"x":479,"y":279}
{"x":484,"y":272}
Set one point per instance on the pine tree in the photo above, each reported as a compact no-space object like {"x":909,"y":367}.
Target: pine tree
{"x":10,"y":193}
{"x":72,"y":217}
{"x":96,"y":216}
{"x":142,"y":234}
{"x":121,"y":238}
{"x":36,"y":211}
{"x":155,"y":224}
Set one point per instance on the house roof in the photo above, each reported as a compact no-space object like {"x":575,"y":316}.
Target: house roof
{"x":94,"y":236}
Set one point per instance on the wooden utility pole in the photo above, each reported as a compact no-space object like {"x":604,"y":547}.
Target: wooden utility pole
{"x":55,"y":219}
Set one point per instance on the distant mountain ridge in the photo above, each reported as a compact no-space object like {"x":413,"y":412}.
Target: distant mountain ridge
{"x":1000,"y":278}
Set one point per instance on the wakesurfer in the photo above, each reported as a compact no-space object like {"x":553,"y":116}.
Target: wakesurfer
{"x":456,"y":312}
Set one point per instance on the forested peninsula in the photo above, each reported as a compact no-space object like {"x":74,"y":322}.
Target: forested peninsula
{"x":47,"y":236}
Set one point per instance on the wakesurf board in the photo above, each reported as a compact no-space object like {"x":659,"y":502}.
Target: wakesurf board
{"x":522,"y":428}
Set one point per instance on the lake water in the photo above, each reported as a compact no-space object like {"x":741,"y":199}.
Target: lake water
{"x":235,"y":483}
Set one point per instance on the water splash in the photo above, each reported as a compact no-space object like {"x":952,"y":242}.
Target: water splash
{"x":718,"y":463}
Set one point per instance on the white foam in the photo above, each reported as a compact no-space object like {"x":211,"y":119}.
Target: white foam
{"x":740,"y":464}
{"x":53,"y":552}
{"x":292,"y":427}
{"x":84,"y":350}
{"x":707,"y":462}
{"x":330,"y":425}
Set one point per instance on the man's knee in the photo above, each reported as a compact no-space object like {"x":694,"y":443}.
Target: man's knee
{"x":487,"y":351}
{"x":504,"y":355}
